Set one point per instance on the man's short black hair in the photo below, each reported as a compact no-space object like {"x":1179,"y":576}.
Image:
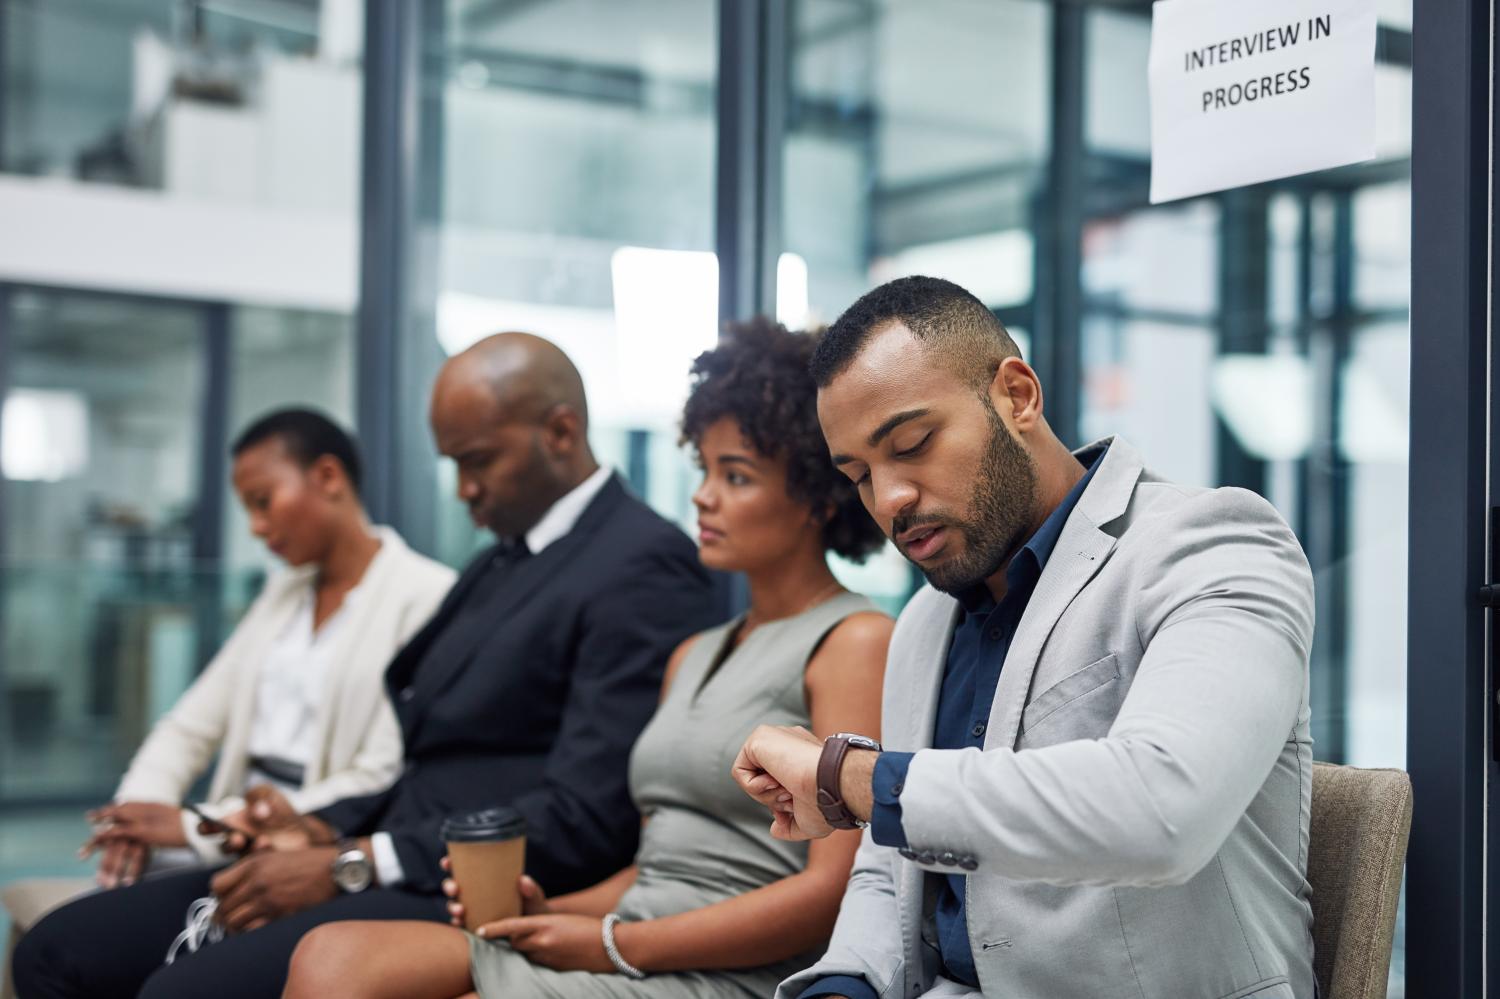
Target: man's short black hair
{"x":939,"y":312}
{"x":307,"y":436}
{"x":757,"y":376}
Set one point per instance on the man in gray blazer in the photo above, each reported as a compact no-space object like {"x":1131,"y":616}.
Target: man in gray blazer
{"x":1097,"y":768}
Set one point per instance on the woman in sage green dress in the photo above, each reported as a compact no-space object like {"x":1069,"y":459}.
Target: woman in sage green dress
{"x":713,"y":905}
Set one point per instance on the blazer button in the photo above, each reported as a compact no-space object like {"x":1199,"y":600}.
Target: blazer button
{"x":948,"y":859}
{"x":406,"y":695}
{"x":926,"y":858}
{"x":908,"y":854}
{"x":968,"y":863}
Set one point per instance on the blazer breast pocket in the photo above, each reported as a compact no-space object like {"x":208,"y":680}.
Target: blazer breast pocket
{"x":1077,"y":699}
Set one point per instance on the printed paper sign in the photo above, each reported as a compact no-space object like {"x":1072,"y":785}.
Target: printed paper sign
{"x":1247,"y":92}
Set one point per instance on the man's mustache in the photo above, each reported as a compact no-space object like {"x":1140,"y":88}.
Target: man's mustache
{"x":901,"y":525}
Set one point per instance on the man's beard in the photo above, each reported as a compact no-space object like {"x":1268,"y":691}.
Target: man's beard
{"x":999,"y":515}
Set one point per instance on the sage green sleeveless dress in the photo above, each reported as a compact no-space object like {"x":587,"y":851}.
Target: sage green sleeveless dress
{"x":704,"y":840}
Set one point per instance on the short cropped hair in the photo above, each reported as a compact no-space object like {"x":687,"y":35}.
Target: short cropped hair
{"x":948,"y":318}
{"x":307,"y":436}
{"x":758,"y":377}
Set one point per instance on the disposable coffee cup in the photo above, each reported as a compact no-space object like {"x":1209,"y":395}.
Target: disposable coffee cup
{"x":488,"y":853}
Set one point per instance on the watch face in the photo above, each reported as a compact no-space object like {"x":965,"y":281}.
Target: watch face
{"x":351,"y":871}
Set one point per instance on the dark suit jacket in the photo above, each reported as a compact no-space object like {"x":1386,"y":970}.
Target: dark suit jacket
{"x":537,"y":698}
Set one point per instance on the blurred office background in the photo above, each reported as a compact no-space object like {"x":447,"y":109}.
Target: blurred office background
{"x":210,"y":208}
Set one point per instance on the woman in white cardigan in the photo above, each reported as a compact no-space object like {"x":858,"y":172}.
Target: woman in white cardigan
{"x":296,"y":696}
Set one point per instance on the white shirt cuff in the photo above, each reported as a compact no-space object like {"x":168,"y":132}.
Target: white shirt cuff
{"x":387,"y":864}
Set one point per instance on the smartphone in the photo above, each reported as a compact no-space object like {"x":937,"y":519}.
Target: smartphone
{"x":210,"y":824}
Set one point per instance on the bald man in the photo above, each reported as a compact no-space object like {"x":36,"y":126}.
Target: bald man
{"x":527,"y":688}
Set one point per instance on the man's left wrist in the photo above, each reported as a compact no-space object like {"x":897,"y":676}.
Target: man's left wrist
{"x":835,"y":780}
{"x":352,"y":866}
{"x":857,"y":781}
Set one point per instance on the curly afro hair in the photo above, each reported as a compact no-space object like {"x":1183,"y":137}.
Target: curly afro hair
{"x":758,"y":376}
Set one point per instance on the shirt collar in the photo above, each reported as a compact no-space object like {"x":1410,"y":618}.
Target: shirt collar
{"x":1027,"y":564}
{"x":1045,"y":538}
{"x":561,"y":517}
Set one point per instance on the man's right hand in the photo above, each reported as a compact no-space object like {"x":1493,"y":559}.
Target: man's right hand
{"x":274,"y":825}
{"x":269,"y":885}
{"x":778,"y":767}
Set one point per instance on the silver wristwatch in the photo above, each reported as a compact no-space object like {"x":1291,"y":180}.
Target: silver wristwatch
{"x":352,"y":870}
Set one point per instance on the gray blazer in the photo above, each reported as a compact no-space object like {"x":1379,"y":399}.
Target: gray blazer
{"x":1137,"y":822}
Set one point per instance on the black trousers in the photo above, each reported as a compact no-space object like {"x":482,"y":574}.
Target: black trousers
{"x":113,"y":944}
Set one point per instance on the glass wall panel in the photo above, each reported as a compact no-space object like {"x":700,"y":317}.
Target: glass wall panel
{"x":207,"y":152}
{"x":100,"y":607}
{"x":1307,"y":400}
{"x":113,"y":589}
{"x":916,"y":141}
{"x":1146,"y":385}
{"x":577,"y":192}
{"x":253,"y":103}
{"x":916,"y":135}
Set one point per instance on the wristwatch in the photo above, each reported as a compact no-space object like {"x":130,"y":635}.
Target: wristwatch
{"x":830,"y":765}
{"x":352,"y":870}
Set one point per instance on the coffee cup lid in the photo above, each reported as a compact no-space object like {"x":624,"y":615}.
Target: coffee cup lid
{"x":489,"y":824}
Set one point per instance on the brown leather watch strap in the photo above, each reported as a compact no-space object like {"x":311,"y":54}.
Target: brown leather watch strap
{"x":830,"y":794}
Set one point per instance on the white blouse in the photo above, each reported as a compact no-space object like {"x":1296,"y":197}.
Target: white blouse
{"x":290,"y":685}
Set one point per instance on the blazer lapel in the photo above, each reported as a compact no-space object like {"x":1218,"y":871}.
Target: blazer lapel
{"x":363,"y":627}
{"x":525,"y":580}
{"x":455,"y":598}
{"x":925,"y":679}
{"x":1080,"y":552}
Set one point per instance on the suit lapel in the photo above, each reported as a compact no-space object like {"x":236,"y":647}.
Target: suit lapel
{"x":404,"y":664}
{"x":524,"y":580}
{"x":925,"y":681}
{"x":1081,"y":551}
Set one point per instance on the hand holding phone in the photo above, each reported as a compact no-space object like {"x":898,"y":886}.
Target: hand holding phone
{"x":236,"y":840}
{"x":206,"y":823}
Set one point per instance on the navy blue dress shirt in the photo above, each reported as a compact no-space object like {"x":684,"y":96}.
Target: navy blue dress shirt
{"x":981,"y":639}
